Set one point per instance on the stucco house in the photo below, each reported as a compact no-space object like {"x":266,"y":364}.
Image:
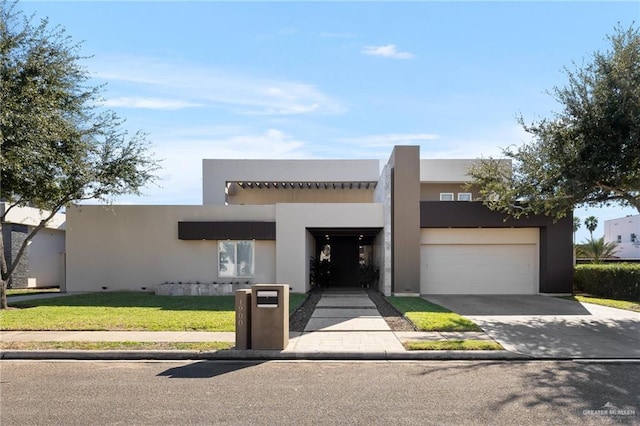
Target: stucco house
{"x":264,"y":221}
{"x":43,"y":262}
{"x":625,"y":233}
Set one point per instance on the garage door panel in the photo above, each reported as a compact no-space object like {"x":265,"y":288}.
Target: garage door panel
{"x":479,"y":269}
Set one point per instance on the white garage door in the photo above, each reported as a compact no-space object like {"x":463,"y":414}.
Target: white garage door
{"x":479,"y":261}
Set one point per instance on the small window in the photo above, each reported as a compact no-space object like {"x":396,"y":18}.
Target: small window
{"x":619,"y":239}
{"x":634,"y":238}
{"x":464,"y":196}
{"x":446,"y":196}
{"x":236,"y":259}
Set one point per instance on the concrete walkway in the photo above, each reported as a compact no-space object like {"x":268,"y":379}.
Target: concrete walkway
{"x":346,"y":321}
{"x":547,"y":327}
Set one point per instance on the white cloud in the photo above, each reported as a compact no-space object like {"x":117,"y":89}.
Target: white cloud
{"x":149,"y":103}
{"x":182,"y":153}
{"x":387,"y":51}
{"x":205,"y":86}
{"x":390,"y":140}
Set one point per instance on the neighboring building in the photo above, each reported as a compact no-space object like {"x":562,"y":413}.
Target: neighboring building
{"x":42,"y":264}
{"x":264,"y":221}
{"x":625,"y":233}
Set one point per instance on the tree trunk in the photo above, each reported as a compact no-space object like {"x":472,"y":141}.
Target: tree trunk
{"x":3,"y":273}
{"x":3,"y":295}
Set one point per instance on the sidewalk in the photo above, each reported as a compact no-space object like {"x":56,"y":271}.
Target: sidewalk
{"x":344,"y":326}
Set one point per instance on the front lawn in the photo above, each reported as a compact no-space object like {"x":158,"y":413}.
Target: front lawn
{"x":31,"y":291}
{"x":612,"y":303}
{"x":117,"y":346}
{"x":427,"y":316}
{"x":127,"y":311}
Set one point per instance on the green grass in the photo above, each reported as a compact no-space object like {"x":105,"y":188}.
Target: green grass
{"x":427,"y":316}
{"x":612,"y":303}
{"x":115,"y":346}
{"x":127,"y":311}
{"x":30,"y":291}
{"x":453,"y":345}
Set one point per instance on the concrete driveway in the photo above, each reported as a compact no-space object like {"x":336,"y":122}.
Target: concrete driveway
{"x":548,"y":327}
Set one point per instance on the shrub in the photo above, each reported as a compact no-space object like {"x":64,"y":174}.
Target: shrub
{"x":618,"y":281}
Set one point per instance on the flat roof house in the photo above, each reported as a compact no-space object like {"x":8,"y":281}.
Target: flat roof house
{"x":625,"y":233}
{"x":265,"y":221}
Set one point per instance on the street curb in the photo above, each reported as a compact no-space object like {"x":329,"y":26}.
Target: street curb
{"x":262,"y":355}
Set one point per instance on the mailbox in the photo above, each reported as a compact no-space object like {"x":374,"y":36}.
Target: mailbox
{"x":267,"y":298}
{"x":269,"y":316}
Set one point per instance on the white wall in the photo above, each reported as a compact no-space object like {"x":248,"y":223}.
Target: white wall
{"x":32,"y":216}
{"x":624,"y":227}
{"x":216,"y":173}
{"x":292,"y":221}
{"x":45,"y":266}
{"x":130,"y":247}
{"x":382,"y":243}
{"x":449,"y":170}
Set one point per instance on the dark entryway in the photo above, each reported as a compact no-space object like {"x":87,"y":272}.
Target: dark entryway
{"x":341,"y":255}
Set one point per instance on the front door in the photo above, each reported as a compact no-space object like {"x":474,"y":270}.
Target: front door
{"x":345,"y":261}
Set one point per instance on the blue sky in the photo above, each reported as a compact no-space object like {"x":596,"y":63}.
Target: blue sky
{"x":330,"y":79}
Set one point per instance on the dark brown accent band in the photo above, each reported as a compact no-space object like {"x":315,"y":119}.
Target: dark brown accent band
{"x":226,"y":230}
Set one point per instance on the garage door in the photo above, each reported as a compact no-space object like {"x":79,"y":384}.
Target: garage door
{"x":479,"y":261}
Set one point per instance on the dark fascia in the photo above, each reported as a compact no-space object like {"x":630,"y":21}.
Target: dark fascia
{"x":463,"y":214}
{"x":226,"y":230}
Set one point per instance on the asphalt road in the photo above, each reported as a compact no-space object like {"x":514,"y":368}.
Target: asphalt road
{"x":279,"y":393}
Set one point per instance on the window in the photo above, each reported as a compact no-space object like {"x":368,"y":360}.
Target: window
{"x":236,"y":259}
{"x":634,"y":238}
{"x":446,"y":196}
{"x":464,"y":196}
{"x":619,"y":239}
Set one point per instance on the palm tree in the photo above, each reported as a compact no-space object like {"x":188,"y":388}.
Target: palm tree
{"x":596,"y":250}
{"x":576,"y":226}
{"x":591,"y":223}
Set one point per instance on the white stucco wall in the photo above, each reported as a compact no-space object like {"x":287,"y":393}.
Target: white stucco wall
{"x":624,"y":227}
{"x":45,"y":252}
{"x":382,"y":243}
{"x":216,"y":173}
{"x":292,"y":221}
{"x":448,"y":170}
{"x":130,"y":247}
{"x":31,"y":216}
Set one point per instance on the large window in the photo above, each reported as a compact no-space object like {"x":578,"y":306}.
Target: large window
{"x":236,"y":259}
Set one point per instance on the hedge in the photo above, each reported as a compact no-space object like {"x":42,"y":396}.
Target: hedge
{"x":615,"y":281}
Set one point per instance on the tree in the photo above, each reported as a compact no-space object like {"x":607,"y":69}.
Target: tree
{"x":597,"y":249}
{"x":588,"y":153}
{"x":576,"y":226}
{"x":57,"y":145}
{"x":591,"y":224}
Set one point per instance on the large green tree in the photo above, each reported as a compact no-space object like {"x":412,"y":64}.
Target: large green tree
{"x":57,"y":146}
{"x":586,"y":154}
